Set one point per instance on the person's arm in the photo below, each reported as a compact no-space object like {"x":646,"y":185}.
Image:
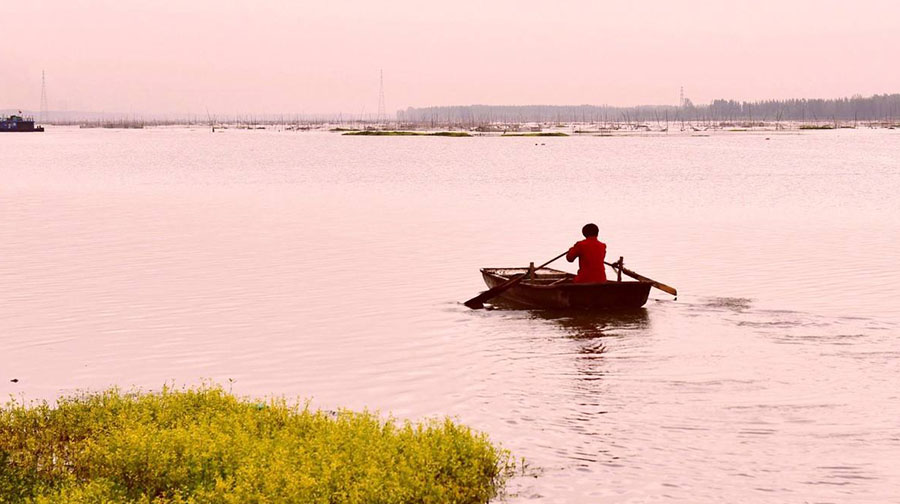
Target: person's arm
{"x":572,"y":254}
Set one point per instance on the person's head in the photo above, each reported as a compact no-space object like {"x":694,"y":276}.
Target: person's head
{"x":590,"y":230}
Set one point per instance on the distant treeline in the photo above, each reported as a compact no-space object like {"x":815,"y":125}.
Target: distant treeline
{"x":874,"y":108}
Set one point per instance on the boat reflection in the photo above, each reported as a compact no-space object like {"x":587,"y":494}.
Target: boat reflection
{"x":591,"y":333}
{"x":583,"y":325}
{"x":588,"y":339}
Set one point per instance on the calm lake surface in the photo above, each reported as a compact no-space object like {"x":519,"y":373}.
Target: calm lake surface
{"x":329,"y":267}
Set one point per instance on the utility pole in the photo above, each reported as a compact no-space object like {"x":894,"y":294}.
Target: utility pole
{"x":381,"y":112}
{"x":43,"y":113}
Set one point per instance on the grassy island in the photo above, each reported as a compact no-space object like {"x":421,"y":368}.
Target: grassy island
{"x":450,"y":134}
{"x":207,"y":446}
{"x":544,"y":134}
{"x":408,"y":133}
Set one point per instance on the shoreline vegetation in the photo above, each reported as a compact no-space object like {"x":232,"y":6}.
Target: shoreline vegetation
{"x":530,"y":129}
{"x":543,"y":128}
{"x":548,"y":129}
{"x":541,"y":134}
{"x":206,"y":445}
{"x":819,"y":127}
{"x":371,"y":132}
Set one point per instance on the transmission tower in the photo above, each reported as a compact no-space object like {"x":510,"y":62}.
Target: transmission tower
{"x":381,"y":113}
{"x":43,"y":113}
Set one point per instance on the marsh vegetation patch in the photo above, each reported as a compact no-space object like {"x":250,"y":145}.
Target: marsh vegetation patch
{"x":206,"y":445}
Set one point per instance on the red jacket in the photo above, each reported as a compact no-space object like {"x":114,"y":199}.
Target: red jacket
{"x":590,"y":253}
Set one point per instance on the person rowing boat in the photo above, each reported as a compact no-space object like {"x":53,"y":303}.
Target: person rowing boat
{"x":537,"y":287}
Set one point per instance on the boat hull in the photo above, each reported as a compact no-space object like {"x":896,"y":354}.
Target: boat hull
{"x":17,"y":124}
{"x":553,"y":289}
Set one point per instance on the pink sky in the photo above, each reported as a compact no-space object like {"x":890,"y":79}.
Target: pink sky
{"x":273,"y":56}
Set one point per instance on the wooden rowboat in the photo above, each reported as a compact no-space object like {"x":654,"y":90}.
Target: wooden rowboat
{"x":550,"y":288}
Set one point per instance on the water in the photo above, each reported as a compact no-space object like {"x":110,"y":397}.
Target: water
{"x":328,"y":267}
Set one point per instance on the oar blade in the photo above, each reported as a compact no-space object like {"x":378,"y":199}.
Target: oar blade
{"x":477,"y":302}
{"x":474,"y":303}
{"x":666,"y":288}
{"x":659,"y":285}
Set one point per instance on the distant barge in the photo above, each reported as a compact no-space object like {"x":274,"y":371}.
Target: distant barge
{"x":18,"y":123}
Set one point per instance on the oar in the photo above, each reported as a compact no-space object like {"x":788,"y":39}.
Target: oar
{"x":477,"y":302}
{"x":661,"y":286}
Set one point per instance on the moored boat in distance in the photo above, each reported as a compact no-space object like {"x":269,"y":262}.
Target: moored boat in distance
{"x":554,"y":289}
{"x":19,"y":124}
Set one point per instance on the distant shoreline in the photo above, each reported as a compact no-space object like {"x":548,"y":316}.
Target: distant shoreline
{"x":617,"y":129}
{"x":879,"y":108}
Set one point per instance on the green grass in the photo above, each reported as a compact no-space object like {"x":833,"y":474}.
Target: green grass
{"x":384,"y":133}
{"x":450,"y":134}
{"x":548,"y":134}
{"x":205,"y":445}
{"x":408,"y":133}
{"x":816,"y":126}
{"x":343,"y":129}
